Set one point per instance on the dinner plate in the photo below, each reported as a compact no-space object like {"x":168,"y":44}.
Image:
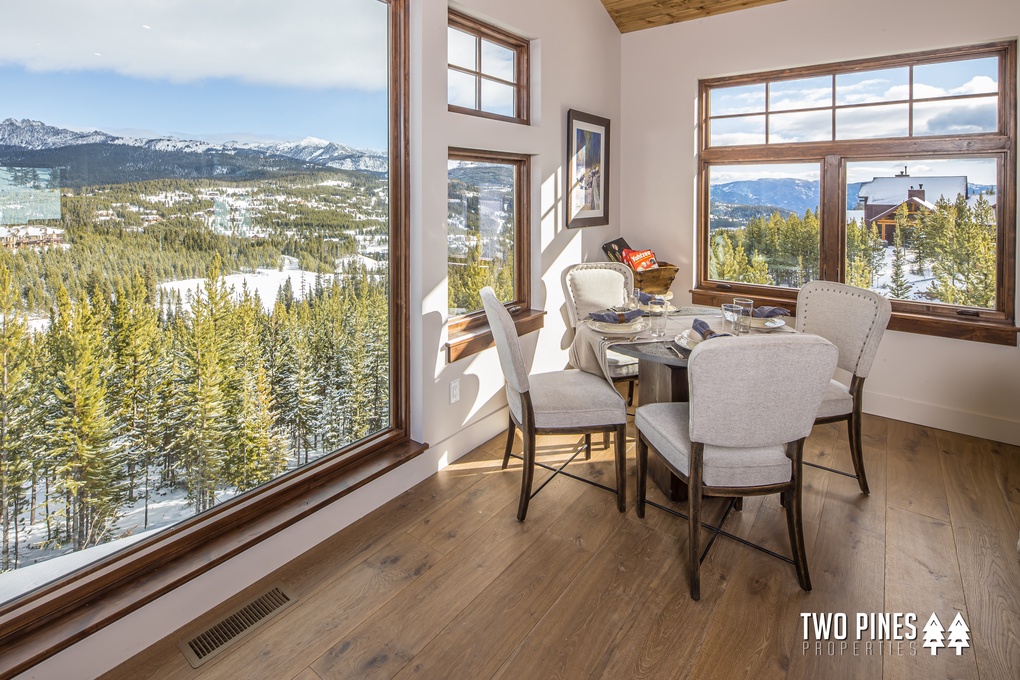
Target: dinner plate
{"x":688,"y":339}
{"x":606,"y":328}
{"x":766,"y":325}
{"x":670,"y":308}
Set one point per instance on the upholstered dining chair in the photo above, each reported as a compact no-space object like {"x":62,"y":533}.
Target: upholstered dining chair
{"x":752,"y":403}
{"x":558,"y":402}
{"x":592,"y":287}
{"x":854,"y":320}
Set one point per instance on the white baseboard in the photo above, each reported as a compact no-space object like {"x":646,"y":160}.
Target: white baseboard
{"x":943,"y":417}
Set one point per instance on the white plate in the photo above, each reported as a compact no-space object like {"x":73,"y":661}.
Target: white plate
{"x":670,"y":308}
{"x":766,"y":325}
{"x":688,"y":339}
{"x":618,"y":328}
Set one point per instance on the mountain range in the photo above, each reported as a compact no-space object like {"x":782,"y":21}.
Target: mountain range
{"x":787,"y":195}
{"x":96,"y":157}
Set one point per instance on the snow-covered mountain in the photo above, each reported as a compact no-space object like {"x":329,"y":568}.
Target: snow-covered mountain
{"x":36,"y":136}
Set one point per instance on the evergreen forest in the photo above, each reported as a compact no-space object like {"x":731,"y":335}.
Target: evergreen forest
{"x":118,"y":392}
{"x":951,"y":250}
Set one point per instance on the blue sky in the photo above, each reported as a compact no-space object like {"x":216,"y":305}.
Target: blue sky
{"x":214,"y":110}
{"x":276,"y":71}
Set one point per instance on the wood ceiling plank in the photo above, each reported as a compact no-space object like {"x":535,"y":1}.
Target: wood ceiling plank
{"x":634,"y":15}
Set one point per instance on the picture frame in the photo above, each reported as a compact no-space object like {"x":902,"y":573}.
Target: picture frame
{"x":587,"y":170}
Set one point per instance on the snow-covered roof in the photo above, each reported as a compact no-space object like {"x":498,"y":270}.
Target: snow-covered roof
{"x":893,"y":190}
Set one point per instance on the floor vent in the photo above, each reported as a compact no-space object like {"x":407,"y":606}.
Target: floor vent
{"x":234,"y":627}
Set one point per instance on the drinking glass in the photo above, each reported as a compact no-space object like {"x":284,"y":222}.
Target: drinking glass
{"x":635,"y":298}
{"x":746,"y":312}
{"x":730,"y":319}
{"x":657,"y":317}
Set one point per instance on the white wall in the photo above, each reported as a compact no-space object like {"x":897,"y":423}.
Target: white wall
{"x":952,"y":384}
{"x":576,"y":64}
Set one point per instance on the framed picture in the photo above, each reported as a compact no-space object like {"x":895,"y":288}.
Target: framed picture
{"x":587,"y":170}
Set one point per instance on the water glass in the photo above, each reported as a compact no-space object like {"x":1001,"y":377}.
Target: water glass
{"x":746,"y":312}
{"x":635,"y":298}
{"x":657,"y":317}
{"x":730,"y":319}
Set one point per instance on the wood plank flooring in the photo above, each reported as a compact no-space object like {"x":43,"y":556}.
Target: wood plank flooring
{"x":443,"y":582}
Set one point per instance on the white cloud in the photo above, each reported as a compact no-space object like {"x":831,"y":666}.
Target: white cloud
{"x":301,"y":43}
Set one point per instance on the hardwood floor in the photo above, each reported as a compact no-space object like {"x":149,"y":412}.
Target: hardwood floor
{"x":443,"y":582}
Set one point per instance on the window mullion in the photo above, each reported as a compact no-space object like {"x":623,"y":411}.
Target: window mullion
{"x":833,"y":219}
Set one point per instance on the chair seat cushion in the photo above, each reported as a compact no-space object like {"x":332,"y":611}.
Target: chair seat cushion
{"x":837,"y":400}
{"x":621,"y":365}
{"x":572,"y":399}
{"x":665,"y":427}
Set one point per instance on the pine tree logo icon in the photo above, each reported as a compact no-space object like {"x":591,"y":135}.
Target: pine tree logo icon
{"x":959,"y":634}
{"x":933,"y":638}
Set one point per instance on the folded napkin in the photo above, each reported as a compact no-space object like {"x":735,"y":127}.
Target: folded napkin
{"x":705,"y":330}
{"x":767,"y":312}
{"x":644,"y":297}
{"x":614,"y":316}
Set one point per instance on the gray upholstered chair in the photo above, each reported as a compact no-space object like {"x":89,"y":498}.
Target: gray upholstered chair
{"x":853,"y":319}
{"x":559,"y":402}
{"x":753,"y":401}
{"x":592,"y":287}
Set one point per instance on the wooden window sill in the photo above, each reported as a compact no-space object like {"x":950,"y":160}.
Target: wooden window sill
{"x":991,"y":331}
{"x":54,"y":617}
{"x":474,"y":340}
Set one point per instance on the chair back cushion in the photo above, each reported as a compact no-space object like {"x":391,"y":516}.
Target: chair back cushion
{"x":758,"y":390}
{"x":504,"y":333}
{"x":851,"y":318}
{"x":594,"y":286}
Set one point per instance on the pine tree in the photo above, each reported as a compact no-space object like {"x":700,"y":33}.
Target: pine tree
{"x":15,"y":450}
{"x":899,"y":287}
{"x":205,"y":422}
{"x":136,"y":343}
{"x":966,"y":262}
{"x":87,"y":461}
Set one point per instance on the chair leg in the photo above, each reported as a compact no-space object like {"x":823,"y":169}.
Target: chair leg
{"x":642,"y":474}
{"x":694,"y":522}
{"x":738,"y":503}
{"x":630,"y":392}
{"x":528,"y":474}
{"x":605,"y":439}
{"x":794,"y":523}
{"x":511,"y":430}
{"x":853,"y":427}
{"x":621,"y":468}
{"x":587,"y":446}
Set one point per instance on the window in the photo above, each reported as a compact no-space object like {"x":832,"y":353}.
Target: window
{"x":895,"y":174}
{"x":203,"y":287}
{"x":487,"y":232}
{"x":487,"y":72}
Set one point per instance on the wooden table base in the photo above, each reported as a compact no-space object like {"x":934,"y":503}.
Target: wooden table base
{"x":661,"y":383}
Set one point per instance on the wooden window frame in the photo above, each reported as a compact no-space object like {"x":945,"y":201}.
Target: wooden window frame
{"x":521,"y":84}
{"x":469,"y":333}
{"x":991,"y":325}
{"x":58,"y":614}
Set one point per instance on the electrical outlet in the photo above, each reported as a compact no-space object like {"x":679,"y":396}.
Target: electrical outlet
{"x":455,"y":391}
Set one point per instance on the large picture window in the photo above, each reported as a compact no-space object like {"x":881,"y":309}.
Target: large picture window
{"x":895,"y":174}
{"x":203,"y":225}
